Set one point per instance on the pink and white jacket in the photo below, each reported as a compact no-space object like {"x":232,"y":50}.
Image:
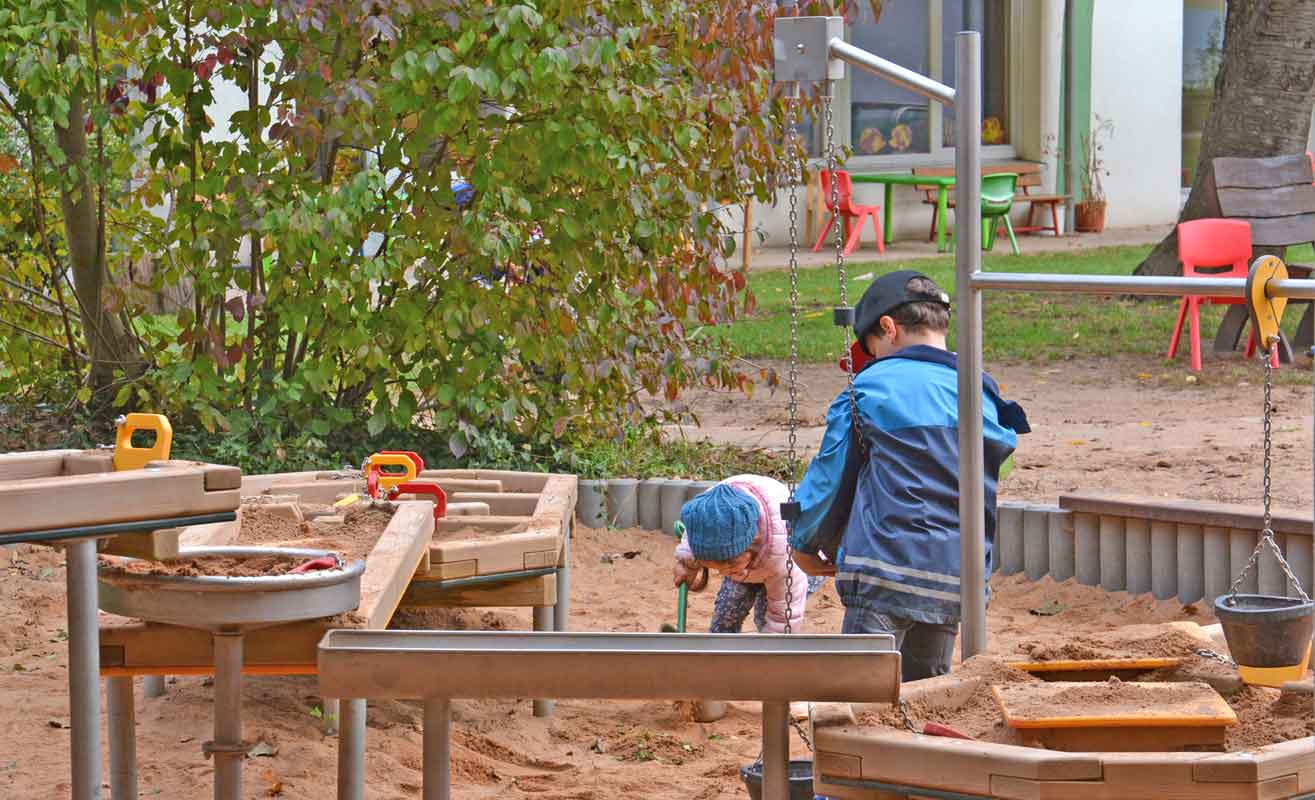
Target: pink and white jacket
{"x":771,"y":563}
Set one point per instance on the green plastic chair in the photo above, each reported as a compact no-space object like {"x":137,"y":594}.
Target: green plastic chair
{"x":998,"y":191}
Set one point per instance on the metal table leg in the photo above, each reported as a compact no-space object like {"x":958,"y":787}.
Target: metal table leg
{"x":351,"y":750}
{"x":153,"y":686}
{"x":562,"y":611}
{"x":83,"y":669}
{"x":330,"y":709}
{"x":776,"y":751}
{"x":437,"y":749}
{"x":123,"y":738}
{"x":228,"y":748}
{"x":543,"y":621}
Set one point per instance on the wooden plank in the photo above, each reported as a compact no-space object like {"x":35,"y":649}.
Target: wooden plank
{"x":1130,"y":739}
{"x":152,"y":546}
{"x":38,"y":464}
{"x":313,"y":491}
{"x":1187,"y":512}
{"x":1148,"y":785}
{"x":954,"y":765}
{"x":527,"y":592}
{"x":34,"y":504}
{"x":1176,"y":705}
{"x":453,"y":486}
{"x":507,"y":504}
{"x":260,"y":484}
{"x":392,"y":563}
{"x":1282,"y":231}
{"x":146,"y":648}
{"x":1280,"y":201}
{"x":87,"y":462}
{"x":492,"y":554}
{"x":1268,"y":762}
{"x":1261,"y":173}
{"x":468,"y":509}
{"x":489,"y":523}
{"x":511,"y":481}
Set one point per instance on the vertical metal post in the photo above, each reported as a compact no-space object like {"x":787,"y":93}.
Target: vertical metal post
{"x":83,"y":669}
{"x":351,"y":750}
{"x":227,"y":747}
{"x":153,"y":686}
{"x":437,"y":749}
{"x":968,"y":261}
{"x":123,"y":738}
{"x":329,"y":708}
{"x":776,"y":751}
{"x":543,"y":621}
{"x":561,"y":612}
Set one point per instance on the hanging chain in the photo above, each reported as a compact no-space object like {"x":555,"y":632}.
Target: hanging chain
{"x":794,"y":171}
{"x":832,"y":163}
{"x":902,"y":707}
{"x":1206,"y":652}
{"x":1267,"y":534}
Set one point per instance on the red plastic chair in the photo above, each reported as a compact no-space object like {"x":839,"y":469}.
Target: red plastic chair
{"x":850,"y":212}
{"x":1211,"y":243}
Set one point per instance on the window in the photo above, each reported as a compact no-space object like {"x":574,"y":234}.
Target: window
{"x":884,"y":120}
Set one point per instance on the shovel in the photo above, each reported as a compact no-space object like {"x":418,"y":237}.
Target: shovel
{"x":704,"y":710}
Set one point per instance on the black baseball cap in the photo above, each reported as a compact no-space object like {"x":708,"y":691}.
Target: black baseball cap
{"x":886,"y":294}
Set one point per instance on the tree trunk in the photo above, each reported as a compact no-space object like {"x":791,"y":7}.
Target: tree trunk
{"x":108,"y":344}
{"x":1262,"y":100}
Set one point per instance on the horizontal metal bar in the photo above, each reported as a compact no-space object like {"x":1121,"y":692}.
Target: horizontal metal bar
{"x":902,"y":790}
{"x":1174,"y":286}
{"x":484,"y":580}
{"x":900,"y":76}
{"x":114,"y":528}
{"x":620,"y":666}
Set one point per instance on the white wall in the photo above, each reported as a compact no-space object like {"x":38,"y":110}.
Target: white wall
{"x":1136,"y":81}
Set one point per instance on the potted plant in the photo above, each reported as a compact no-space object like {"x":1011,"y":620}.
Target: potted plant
{"x":1089,"y":213}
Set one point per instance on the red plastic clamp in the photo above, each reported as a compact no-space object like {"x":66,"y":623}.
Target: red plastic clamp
{"x":429,"y":488}
{"x":411,"y":454}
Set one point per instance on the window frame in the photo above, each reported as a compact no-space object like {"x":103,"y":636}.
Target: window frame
{"x":940,"y":154}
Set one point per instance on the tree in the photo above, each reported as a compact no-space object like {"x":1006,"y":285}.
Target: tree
{"x":1262,"y":102}
{"x":335,"y":283}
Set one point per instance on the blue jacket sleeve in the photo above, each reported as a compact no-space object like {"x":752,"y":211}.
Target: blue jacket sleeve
{"x":827,"y":490}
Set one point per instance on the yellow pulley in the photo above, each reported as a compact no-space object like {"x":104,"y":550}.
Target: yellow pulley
{"x":1266,"y":311}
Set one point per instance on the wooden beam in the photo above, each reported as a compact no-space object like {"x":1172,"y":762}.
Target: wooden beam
{"x":489,"y":523}
{"x":1278,"y":201}
{"x":58,"y":502}
{"x":467,"y":509}
{"x":1261,"y":173}
{"x":539,"y":591}
{"x":511,"y":481}
{"x":509,"y":504}
{"x":393,"y":561}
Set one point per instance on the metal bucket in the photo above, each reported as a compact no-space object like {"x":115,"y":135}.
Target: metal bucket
{"x":1268,"y":636}
{"x":801,"y":780}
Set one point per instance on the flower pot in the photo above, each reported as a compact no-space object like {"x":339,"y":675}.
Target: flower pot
{"x":1089,"y":217}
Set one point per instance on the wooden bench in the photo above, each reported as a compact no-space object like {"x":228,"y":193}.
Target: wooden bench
{"x":1277,"y":198}
{"x":1029,"y":177}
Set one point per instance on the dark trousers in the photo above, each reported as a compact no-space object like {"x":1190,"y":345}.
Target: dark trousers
{"x":926,"y":649}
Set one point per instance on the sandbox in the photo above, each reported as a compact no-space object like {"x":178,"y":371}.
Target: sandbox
{"x":867,"y":752}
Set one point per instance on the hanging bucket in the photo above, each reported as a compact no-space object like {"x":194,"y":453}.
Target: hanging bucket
{"x":1269,"y":637}
{"x":801,"y":780}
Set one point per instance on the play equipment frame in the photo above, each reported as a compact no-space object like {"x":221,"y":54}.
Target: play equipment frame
{"x":813,"y":49}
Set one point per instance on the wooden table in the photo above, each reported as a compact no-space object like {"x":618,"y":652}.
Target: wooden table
{"x":943,"y":184}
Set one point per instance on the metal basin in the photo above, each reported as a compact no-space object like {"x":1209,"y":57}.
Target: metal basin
{"x":220,"y":603}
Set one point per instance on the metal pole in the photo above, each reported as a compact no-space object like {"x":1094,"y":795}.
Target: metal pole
{"x":227,"y":747}
{"x":776,"y":751}
{"x":1291,"y":288}
{"x":543,"y":621}
{"x":153,"y":686}
{"x":330,"y":709}
{"x":123,"y":738}
{"x":351,"y":750}
{"x":561,"y":612}
{"x":83,"y":669}
{"x":437,"y":750}
{"x":967,"y":263}
{"x":889,"y":70}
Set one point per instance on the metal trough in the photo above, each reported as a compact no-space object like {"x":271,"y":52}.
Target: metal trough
{"x":437,"y":667}
{"x":227,"y":607}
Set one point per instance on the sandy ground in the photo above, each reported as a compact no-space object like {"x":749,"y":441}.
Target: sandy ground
{"x":588,"y":750}
{"x":1119,"y":424}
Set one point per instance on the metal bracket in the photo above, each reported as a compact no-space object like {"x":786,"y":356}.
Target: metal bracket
{"x":801,"y":49}
{"x":1266,"y":311}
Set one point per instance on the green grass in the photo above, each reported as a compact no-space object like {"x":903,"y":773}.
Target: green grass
{"x":1017,"y":326}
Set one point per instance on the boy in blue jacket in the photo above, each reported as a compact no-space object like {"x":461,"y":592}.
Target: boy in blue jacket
{"x":882,"y":504}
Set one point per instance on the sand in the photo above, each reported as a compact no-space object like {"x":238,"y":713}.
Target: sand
{"x":589,"y":749}
{"x":354,"y":537}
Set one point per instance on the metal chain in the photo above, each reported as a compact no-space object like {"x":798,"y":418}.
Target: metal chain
{"x":1267,"y":534}
{"x":1206,"y":652}
{"x":902,"y":707}
{"x":803,"y":736}
{"x":794,"y":162}
{"x":832,"y":163}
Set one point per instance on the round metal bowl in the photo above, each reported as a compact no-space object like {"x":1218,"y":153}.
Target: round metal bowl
{"x":215,"y":602}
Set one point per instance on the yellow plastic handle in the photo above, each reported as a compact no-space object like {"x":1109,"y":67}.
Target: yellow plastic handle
{"x":388,"y":480}
{"x":128,"y":457}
